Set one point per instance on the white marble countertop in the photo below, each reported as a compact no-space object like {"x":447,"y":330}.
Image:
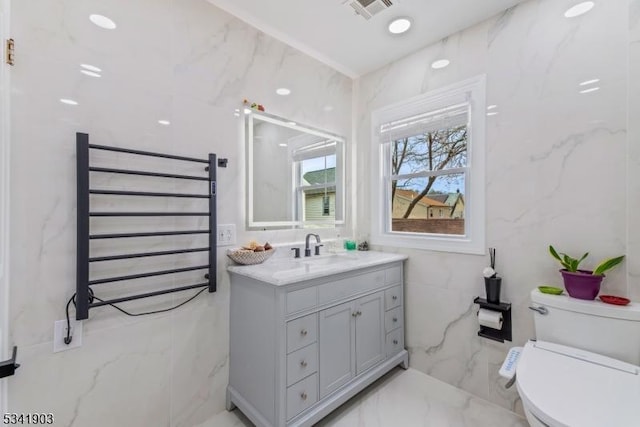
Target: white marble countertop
{"x":284,"y":271}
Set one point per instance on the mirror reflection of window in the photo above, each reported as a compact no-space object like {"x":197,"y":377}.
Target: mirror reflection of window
{"x":316,"y":188}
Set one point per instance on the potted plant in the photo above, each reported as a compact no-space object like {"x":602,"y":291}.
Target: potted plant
{"x":583,"y":284}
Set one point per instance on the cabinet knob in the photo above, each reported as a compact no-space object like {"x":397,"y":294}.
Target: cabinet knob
{"x":395,"y":342}
{"x":303,"y":332}
{"x":303,"y":363}
{"x":394,"y":297}
{"x":354,"y":314}
{"x":303,"y":396}
{"x":395,"y":319}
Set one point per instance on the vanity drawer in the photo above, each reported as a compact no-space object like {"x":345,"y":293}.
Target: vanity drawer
{"x":395,"y":342}
{"x":302,"y":299}
{"x":302,"y":363}
{"x":302,"y":332}
{"x":354,"y":285}
{"x":393,"y":275}
{"x":302,"y":395}
{"x":392,"y":298}
{"x":393,"y":319}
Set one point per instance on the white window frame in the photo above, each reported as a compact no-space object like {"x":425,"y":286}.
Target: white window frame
{"x":473,"y":241}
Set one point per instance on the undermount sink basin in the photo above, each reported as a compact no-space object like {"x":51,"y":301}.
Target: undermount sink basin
{"x":330,"y":259}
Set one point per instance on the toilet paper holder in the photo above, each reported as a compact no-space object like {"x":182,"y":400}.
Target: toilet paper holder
{"x":499,"y":335}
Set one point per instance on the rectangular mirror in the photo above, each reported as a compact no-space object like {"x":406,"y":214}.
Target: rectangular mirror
{"x":295,"y":174}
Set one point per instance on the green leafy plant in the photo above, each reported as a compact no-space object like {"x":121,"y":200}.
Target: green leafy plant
{"x":571,"y":264}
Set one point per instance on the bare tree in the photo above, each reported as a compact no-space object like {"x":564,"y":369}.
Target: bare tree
{"x":431,"y":151}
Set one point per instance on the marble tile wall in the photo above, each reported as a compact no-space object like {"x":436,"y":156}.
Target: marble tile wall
{"x":633,"y":159}
{"x":555,"y":173}
{"x":187,"y":62}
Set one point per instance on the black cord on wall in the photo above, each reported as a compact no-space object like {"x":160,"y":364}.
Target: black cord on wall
{"x":69,"y":337}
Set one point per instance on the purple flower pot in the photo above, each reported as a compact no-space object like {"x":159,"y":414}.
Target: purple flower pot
{"x":582,"y":284}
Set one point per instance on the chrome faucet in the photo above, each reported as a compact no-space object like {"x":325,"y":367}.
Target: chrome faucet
{"x":307,"y":251}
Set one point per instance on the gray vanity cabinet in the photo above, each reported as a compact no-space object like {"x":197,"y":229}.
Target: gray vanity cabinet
{"x":337,"y":326}
{"x":356,"y":333}
{"x":300,"y":350}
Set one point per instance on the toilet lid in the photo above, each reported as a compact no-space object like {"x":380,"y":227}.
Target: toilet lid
{"x":565,"y":386}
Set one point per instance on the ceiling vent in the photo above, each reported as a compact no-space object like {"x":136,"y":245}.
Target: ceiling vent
{"x":368,"y":8}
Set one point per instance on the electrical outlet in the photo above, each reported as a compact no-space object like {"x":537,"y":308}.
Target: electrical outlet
{"x":60,"y":333}
{"x":226,"y":234}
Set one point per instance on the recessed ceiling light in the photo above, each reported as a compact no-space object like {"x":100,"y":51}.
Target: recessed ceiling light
{"x":491,"y":107}
{"x":399,"y":25}
{"x":164,"y":122}
{"x":91,"y":68}
{"x":593,"y":89}
{"x":493,"y":113}
{"x":102,"y":21}
{"x":588,"y":82}
{"x":291,"y":123}
{"x":282,"y":145}
{"x":579,"y":9}
{"x":90,"y":73}
{"x":68,"y":101}
{"x":283,"y":91}
{"x":440,"y":63}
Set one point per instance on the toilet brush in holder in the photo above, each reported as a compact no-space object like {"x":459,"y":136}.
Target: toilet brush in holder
{"x":492,"y":283}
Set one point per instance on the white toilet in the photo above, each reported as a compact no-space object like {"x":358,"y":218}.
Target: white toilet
{"x":583,"y":368}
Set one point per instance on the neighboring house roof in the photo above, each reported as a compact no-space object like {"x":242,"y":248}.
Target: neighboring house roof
{"x":453,"y":199}
{"x":425,"y":201}
{"x":318,"y":177}
{"x":449,"y":199}
{"x":442,"y":198}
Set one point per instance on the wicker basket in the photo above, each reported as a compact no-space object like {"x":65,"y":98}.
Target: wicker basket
{"x":248,"y":257}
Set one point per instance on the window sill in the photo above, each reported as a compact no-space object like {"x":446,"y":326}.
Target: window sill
{"x":439,"y":244}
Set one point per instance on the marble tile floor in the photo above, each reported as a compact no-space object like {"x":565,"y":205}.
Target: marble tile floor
{"x":404,"y":399}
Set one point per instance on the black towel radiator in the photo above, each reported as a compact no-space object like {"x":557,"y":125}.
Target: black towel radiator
{"x":84,"y":301}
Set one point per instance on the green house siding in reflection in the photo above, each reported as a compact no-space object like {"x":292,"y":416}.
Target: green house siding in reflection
{"x":314,"y":207}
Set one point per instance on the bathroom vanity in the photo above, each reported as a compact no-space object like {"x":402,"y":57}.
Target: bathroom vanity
{"x":307,"y":335}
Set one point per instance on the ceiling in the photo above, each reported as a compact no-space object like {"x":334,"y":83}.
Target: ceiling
{"x":331,"y":31}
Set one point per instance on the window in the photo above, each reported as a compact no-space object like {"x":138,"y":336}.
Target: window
{"x":326,"y":205}
{"x":315,"y":171}
{"x":429,"y":170}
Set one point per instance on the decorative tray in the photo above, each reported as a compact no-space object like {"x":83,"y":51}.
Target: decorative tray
{"x":615,"y":300}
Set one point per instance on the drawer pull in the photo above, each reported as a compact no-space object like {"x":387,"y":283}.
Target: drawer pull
{"x":303,"y":396}
{"x":356,"y":313}
{"x":394,"y":297}
{"x":303,"y":363}
{"x":395,"y":319}
{"x":395,"y":342}
{"x":303,"y":332}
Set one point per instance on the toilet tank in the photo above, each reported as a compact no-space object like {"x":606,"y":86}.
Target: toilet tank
{"x":606,"y":329}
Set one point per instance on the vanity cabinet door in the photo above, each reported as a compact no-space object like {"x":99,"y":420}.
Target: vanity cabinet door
{"x":370,"y":333}
{"x":337,"y":347}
